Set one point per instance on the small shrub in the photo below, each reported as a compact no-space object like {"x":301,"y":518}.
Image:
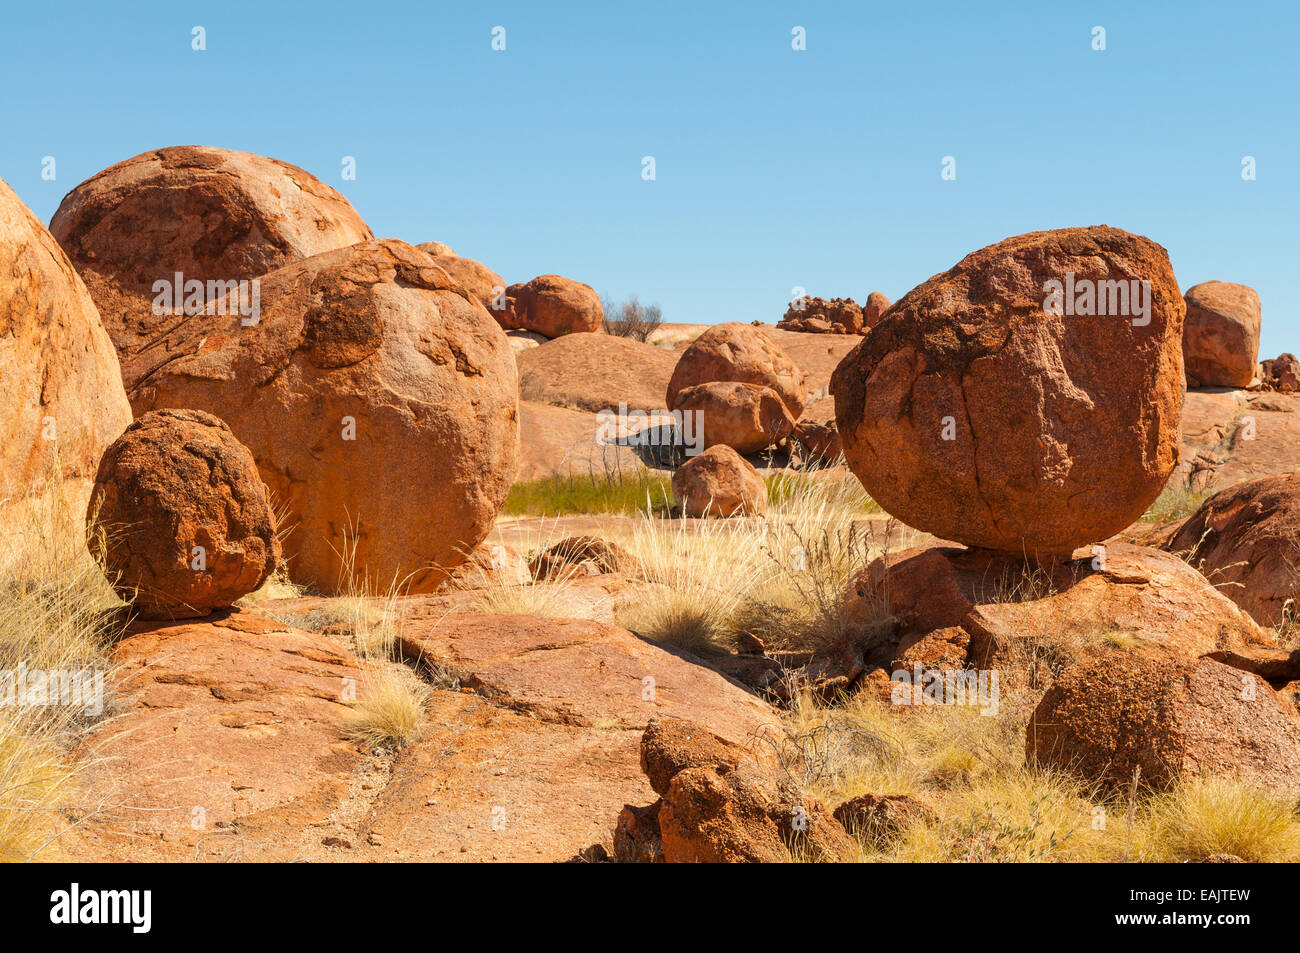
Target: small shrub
{"x":631,"y":319}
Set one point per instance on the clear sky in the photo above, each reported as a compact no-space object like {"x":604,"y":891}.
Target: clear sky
{"x":774,"y":168}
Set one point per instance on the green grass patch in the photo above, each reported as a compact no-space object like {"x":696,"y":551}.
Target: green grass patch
{"x":560,"y":495}
{"x":1173,"y":503}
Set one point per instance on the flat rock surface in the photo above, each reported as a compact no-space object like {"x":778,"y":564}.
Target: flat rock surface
{"x":226,"y":743}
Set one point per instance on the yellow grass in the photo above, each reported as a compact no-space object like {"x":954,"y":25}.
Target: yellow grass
{"x":57,"y":612}
{"x":390,"y":713}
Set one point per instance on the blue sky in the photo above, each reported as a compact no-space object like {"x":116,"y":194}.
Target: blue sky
{"x":774,"y":168}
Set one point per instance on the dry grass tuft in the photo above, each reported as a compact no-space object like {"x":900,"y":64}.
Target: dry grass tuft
{"x":57,"y":613}
{"x":391,"y":711}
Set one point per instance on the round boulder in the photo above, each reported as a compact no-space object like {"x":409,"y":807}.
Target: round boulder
{"x":380,"y":401}
{"x":746,"y":417}
{"x":1221,"y":336}
{"x":874,"y":308}
{"x":738,"y":352}
{"x":1026,"y":400}
{"x":476,"y":278}
{"x":1133,"y":711}
{"x":61,"y":395}
{"x":552,"y":305}
{"x":180,"y":518}
{"x":719,"y":482}
{"x":1246,"y":541}
{"x":209,"y":215}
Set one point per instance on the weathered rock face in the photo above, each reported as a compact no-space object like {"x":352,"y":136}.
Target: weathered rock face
{"x":227,"y":744}
{"x":553,"y":305}
{"x":60,"y":384}
{"x":213,"y":215}
{"x":880,"y":819}
{"x":530,"y":760}
{"x":1246,"y":541}
{"x":1127,"y":711}
{"x":489,"y":564}
{"x":581,"y":556}
{"x":972,"y":413}
{"x":596,"y":372}
{"x":475,"y":277}
{"x":1221,"y":336}
{"x":380,"y":401}
{"x":873,"y":309}
{"x":746,"y":417}
{"x":719,"y":482}
{"x":823,"y":316}
{"x":180,"y":517}
{"x":718,"y":804}
{"x":1282,"y":373}
{"x":738,"y":352}
{"x":817,"y":435}
{"x":948,"y":608}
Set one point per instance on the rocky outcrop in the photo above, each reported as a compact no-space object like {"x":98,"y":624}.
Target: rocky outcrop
{"x":748,"y":418}
{"x":1165,"y":718}
{"x":1246,"y":541}
{"x":552,"y":305}
{"x":738,"y":352}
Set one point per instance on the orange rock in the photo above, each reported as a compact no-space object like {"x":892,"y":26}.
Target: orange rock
{"x":596,"y":372}
{"x":949,"y":608}
{"x":719,"y":805}
{"x":1104,"y":719}
{"x":380,"y":401}
{"x":874,"y":308}
{"x":476,"y":278}
{"x":1246,"y":541}
{"x":553,"y":305}
{"x":738,"y":352}
{"x":581,"y":556}
{"x":746,"y":417}
{"x":227,"y":743}
{"x":180,"y":518}
{"x":879,"y":819}
{"x":719,"y":482}
{"x":60,"y":385}
{"x":822,"y":315}
{"x":972,"y":413}
{"x":580,"y":672}
{"x":817,"y":434}
{"x":210,"y":214}
{"x":1221,"y":336}
{"x":1282,"y":373}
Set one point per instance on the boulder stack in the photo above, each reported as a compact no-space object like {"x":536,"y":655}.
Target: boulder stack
{"x":193,"y":214}
{"x":380,"y":401}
